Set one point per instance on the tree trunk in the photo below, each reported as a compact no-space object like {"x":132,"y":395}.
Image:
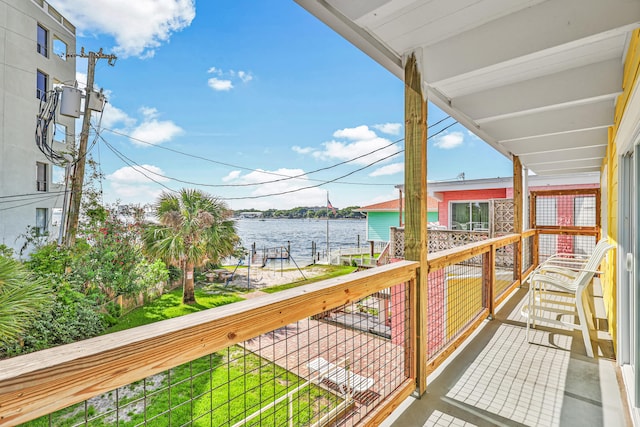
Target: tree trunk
{"x":188,"y":290}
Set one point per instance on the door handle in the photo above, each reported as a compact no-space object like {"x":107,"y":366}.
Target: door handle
{"x":629,"y":262}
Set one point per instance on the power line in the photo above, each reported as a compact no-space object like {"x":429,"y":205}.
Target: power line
{"x":127,"y":161}
{"x":312,"y":186}
{"x":40,"y":193}
{"x":113,"y":149}
{"x":30,"y":203}
{"x":285,"y":177}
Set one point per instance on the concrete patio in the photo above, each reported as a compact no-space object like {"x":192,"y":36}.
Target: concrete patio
{"x":499,"y":379}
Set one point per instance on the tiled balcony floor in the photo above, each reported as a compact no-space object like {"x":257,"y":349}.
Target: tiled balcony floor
{"x":499,"y":379}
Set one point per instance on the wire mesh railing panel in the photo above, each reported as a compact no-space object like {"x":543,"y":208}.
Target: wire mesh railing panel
{"x":527,"y":252}
{"x":456,"y":296}
{"x":335,"y":367}
{"x":566,"y":210}
{"x":551,"y":244}
{"x":505,"y":269}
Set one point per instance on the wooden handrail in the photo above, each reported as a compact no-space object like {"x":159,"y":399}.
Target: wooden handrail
{"x":573,"y":230}
{"x":441,"y":259}
{"x":40,"y":383}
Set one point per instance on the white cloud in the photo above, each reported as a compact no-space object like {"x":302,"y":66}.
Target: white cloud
{"x":391,"y":169}
{"x":358,"y":133}
{"x":219,"y":85}
{"x":449,"y":140}
{"x":225,"y":79}
{"x":150,"y":129}
{"x":362,"y":144}
{"x":129,"y":185}
{"x":149,"y":113}
{"x":145,"y":26}
{"x":389,"y":128}
{"x":155,"y":132}
{"x":307,"y":197}
{"x":136,"y":175}
{"x":231,"y":176}
{"x":113,"y":116}
{"x":300,"y":150}
{"x":337,"y":150}
{"x":244,"y":76}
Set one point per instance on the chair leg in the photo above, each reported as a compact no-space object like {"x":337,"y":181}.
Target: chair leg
{"x":584,"y":326}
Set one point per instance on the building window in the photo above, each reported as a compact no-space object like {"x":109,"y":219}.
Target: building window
{"x":60,"y":133}
{"x":41,"y":89}
{"x":41,"y":176}
{"x":41,"y":221}
{"x":43,"y":41}
{"x":59,"y":48}
{"x":470,"y":216}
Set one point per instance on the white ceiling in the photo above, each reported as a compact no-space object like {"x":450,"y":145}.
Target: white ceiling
{"x":533,"y":78}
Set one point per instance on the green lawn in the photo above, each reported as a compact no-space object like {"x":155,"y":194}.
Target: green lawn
{"x":215,"y":390}
{"x":331,"y":271}
{"x":170,"y":305}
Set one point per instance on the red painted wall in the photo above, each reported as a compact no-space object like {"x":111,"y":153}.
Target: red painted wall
{"x":466,"y":195}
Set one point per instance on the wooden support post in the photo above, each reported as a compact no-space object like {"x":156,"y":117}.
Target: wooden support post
{"x":415,"y":187}
{"x":489,"y":278}
{"x":400,"y":208}
{"x":517,"y":217}
{"x":517,"y":195}
{"x":535,"y":249}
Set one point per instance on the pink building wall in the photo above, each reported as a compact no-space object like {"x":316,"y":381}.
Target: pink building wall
{"x":465,"y":195}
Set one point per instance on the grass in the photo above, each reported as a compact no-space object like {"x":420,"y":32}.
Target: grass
{"x":331,"y":271}
{"x":170,"y":305}
{"x":228,"y":386}
{"x":220,"y":389}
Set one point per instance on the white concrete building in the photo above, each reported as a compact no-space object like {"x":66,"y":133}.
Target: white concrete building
{"x":34,"y":41}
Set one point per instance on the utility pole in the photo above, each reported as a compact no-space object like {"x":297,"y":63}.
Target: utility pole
{"x":77,"y":179}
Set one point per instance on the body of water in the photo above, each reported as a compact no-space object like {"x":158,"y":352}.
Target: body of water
{"x":272,"y":233}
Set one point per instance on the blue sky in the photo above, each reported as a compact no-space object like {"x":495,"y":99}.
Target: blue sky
{"x":259,"y":90}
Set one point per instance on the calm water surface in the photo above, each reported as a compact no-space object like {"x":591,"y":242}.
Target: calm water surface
{"x":270,"y":233}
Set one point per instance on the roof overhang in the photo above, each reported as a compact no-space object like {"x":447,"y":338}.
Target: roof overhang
{"x":533,"y":78}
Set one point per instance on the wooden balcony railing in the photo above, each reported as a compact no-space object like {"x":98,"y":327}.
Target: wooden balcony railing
{"x":362,"y":324}
{"x":263,"y":359}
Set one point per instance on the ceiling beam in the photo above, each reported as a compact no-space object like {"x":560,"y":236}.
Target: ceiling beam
{"x":567,"y":170}
{"x":544,"y":26}
{"x":595,"y":152}
{"x":590,"y":81}
{"x":576,"y":117}
{"x":561,"y":141}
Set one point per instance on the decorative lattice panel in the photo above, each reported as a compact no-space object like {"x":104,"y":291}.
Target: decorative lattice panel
{"x":397,"y":242}
{"x":439,"y":240}
{"x":502,"y":220}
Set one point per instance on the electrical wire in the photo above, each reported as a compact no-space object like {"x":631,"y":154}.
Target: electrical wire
{"x":30,"y":194}
{"x":112,"y":148}
{"x":131,"y":161}
{"x":285,"y":177}
{"x":312,"y":186}
{"x":46,"y":117}
{"x":133,"y":164}
{"x":30,"y":203}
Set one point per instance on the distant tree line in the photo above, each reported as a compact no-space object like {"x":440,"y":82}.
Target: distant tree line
{"x":309,"y":212}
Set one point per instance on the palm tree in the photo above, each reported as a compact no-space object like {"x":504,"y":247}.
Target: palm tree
{"x":21,"y":299}
{"x":194,"y":228}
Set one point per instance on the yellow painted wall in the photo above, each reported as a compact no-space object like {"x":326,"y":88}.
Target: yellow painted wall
{"x":630,"y":79}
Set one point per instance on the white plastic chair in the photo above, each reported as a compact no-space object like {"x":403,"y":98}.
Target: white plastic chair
{"x":347,"y":381}
{"x":569,"y":282}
